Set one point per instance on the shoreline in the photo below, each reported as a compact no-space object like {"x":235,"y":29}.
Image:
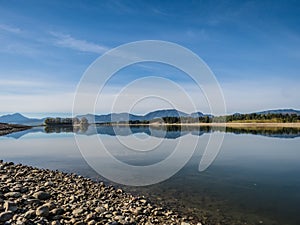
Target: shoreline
{"x":32,"y":195}
{"x":230,"y":124}
{"x":11,"y":128}
{"x":242,"y":125}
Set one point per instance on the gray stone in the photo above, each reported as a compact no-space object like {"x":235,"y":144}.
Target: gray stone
{"x":29,"y":214}
{"x":13,"y":194}
{"x":49,"y":184}
{"x":5,"y":216}
{"x":10,"y":206}
{"x":77,"y":212}
{"x":41,"y":195}
{"x":42,"y":211}
{"x":50,"y":205}
{"x":58,"y":211}
{"x":99,"y":209}
{"x":92,"y":222}
{"x":79,"y":223}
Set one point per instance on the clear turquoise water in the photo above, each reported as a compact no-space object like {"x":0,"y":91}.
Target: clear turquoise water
{"x":255,"y":178}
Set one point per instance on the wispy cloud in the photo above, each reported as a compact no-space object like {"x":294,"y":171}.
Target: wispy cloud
{"x":57,"y":102}
{"x":20,"y":49}
{"x":19,"y":83}
{"x":10,"y":29}
{"x":67,"y":41}
{"x":21,"y":86}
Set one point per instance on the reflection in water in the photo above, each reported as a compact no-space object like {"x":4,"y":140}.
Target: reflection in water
{"x":254,"y":180}
{"x":66,"y":129}
{"x":280,"y":132}
{"x":169,"y":132}
{"x":177,"y":131}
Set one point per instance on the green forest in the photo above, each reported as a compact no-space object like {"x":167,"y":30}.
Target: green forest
{"x":253,"y":117}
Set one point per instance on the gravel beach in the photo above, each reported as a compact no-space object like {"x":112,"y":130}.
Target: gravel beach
{"x":39,"y":196}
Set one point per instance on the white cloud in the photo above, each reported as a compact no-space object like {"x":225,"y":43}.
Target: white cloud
{"x":29,"y":86}
{"x":67,"y":41}
{"x":60,"y":102}
{"x":10,"y":29}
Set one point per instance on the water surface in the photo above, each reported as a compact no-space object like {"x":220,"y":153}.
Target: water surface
{"x":255,"y":178}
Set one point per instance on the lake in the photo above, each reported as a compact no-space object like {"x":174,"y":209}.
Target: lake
{"x":255,"y":178}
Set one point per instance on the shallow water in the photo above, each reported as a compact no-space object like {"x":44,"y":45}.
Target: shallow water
{"x":255,"y":178}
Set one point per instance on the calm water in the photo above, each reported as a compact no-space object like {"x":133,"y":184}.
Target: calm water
{"x":255,"y":178}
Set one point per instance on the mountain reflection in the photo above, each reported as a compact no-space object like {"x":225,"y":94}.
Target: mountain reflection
{"x":168,"y":132}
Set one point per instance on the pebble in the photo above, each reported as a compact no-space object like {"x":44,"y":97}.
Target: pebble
{"x":13,"y":194}
{"x":10,"y":206}
{"x":5,"y":216}
{"x":57,"y":211}
{"x":30,"y":214}
{"x":42,"y":211}
{"x":41,"y":195}
{"x":37,"y":196}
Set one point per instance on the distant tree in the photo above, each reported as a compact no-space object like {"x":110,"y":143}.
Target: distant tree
{"x":49,"y":121}
{"x":76,"y":121}
{"x":84,"y":121}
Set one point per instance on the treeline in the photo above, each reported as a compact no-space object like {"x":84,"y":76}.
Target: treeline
{"x":139,"y":121}
{"x":178,"y":120}
{"x":280,"y":118}
{"x":253,"y":117}
{"x":65,"y":121}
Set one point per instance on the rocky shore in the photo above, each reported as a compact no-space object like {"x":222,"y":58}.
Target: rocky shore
{"x":10,"y":128}
{"x":39,"y":196}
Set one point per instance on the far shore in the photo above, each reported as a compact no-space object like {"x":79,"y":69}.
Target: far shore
{"x":233,"y":124}
{"x":230,"y":124}
{"x":11,"y":128}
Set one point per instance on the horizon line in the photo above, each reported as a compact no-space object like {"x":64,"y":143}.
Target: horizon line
{"x":137,"y":114}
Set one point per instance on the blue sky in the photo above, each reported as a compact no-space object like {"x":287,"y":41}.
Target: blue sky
{"x":253,"y":47}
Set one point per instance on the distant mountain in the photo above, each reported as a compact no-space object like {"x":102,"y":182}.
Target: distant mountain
{"x":164,"y":113}
{"x":18,"y":118}
{"x":282,"y":111}
{"x":197,"y":114}
{"x":117,"y":117}
{"x":112,"y":117}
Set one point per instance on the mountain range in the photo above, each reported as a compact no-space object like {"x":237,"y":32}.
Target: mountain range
{"x":18,"y":118}
{"x":282,"y":111}
{"x":116,"y":117}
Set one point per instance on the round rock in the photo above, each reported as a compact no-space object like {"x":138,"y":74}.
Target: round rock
{"x":5,"y":216}
{"x":41,"y":195}
{"x":42,"y":211}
